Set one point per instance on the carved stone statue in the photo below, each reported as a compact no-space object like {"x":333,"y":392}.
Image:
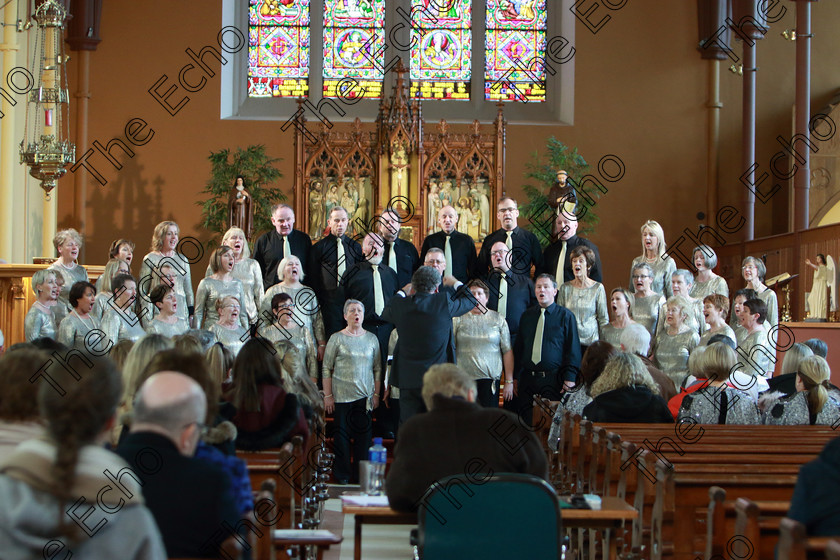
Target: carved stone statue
{"x":399,"y":166}
{"x":561,"y":192}
{"x":316,"y":210}
{"x":239,"y":208}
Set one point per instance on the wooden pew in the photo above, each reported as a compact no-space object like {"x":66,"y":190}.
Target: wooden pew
{"x":794,"y":543}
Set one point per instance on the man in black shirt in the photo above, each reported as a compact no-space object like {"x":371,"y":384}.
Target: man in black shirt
{"x":461,"y":257}
{"x":330,"y":260}
{"x":399,"y":254}
{"x":511,"y":293}
{"x":566,"y":226}
{"x":272,"y":246}
{"x":547,"y":351}
{"x":524,"y":246}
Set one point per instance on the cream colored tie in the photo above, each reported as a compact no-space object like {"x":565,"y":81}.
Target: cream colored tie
{"x":509,"y":241}
{"x":536,"y":352}
{"x":378,"y":298}
{"x":392,"y":256}
{"x":560,"y":272}
{"x":502,"y":295}
{"x":447,"y":252}
{"x":287,"y":250}
{"x":341,"y":265}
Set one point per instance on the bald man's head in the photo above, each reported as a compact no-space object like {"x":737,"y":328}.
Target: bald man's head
{"x":169,"y":402}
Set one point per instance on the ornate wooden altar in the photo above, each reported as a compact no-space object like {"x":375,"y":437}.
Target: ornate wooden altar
{"x":395,"y":162}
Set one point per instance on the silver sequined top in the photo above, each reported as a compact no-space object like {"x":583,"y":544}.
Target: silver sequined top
{"x":122,"y":325}
{"x":612,"y":334}
{"x":794,"y":411}
{"x":209,"y":292}
{"x":696,"y":321}
{"x":706,"y":408}
{"x":301,"y":339}
{"x":233,"y":339}
{"x":353,"y":364}
{"x":672,"y":352}
{"x":480,"y":342}
{"x":71,"y":276}
{"x":589,"y":306}
{"x":73,"y":329}
{"x":100,"y":304}
{"x":248,"y":272}
{"x":39,"y":323}
{"x":152,"y":311}
{"x":662,"y":271}
{"x":646,"y":311}
{"x":717,"y":285}
{"x":180,"y":326}
{"x":307,"y":310}
{"x":768,"y":296}
{"x":574,"y":403}
{"x":183,"y":282}
{"x":726,"y":330}
{"x":760,"y":361}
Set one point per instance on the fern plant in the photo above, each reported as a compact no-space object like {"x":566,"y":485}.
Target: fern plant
{"x":542,"y":171}
{"x":259,"y":171}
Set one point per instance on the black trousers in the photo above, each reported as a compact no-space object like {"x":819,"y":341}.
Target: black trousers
{"x":486,"y":397}
{"x":545,"y":384}
{"x":411,"y":403}
{"x":352,"y":438}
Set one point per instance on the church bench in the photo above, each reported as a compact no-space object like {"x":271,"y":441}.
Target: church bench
{"x":737,"y":526}
{"x":794,"y":543}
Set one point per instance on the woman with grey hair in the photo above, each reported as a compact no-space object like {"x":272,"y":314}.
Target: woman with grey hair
{"x":714,"y":399}
{"x":352,"y":377}
{"x":621,"y":303}
{"x":646,"y":302}
{"x":306,"y":310}
{"x":707,"y":282}
{"x":40,"y":321}
{"x":216,"y":286}
{"x":675,"y":341}
{"x":68,"y":243}
{"x":681,"y":282}
{"x":625,"y":392}
{"x":753,"y":270}
{"x":245,"y":269}
{"x":653,"y":254}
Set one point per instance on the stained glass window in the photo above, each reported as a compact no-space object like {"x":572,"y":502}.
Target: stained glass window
{"x":278,"y":48}
{"x":441,"y":48}
{"x":515,"y":50}
{"x":354,"y":36}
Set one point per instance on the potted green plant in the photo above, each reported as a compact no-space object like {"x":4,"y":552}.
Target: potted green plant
{"x":258,"y":170}
{"x":542,"y":171}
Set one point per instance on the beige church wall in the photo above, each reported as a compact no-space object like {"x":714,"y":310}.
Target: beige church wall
{"x":640,"y":94}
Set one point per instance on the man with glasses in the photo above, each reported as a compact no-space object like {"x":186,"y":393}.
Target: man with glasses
{"x":458,"y":248}
{"x":566,"y":239}
{"x":190,"y":499}
{"x":511,"y":292}
{"x":400,"y":255}
{"x":524,"y":245}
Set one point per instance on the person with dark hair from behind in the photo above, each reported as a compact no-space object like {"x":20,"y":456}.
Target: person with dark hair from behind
{"x":455,"y":437}
{"x":819,"y":347}
{"x":811,"y":404}
{"x":816,"y":497}
{"x":44,"y":480}
{"x":718,"y":400}
{"x":190,"y":499}
{"x":19,"y":416}
{"x":266,"y":415}
{"x":591,"y":367}
{"x":626,"y":392}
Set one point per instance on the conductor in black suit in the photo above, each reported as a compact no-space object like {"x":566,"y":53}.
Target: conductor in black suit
{"x":547,"y":351}
{"x":272,"y":246}
{"x":524,"y":245}
{"x":399,"y":254}
{"x":457,"y":247}
{"x":565,"y":228}
{"x":424,"y":326}
{"x":329,"y":261}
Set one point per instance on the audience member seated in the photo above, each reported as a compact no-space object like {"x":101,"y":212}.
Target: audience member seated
{"x":816,"y":497}
{"x":717,"y":400}
{"x":19,"y":418}
{"x":786,"y":382}
{"x":119,"y":352}
{"x":218,"y":435}
{"x":811,"y":404}
{"x":44,"y":480}
{"x":455,"y":437}
{"x":819,"y":347}
{"x":695,"y":380}
{"x":189,"y":498}
{"x":626,"y":392}
{"x":266,"y":415}
{"x":635,"y":339}
{"x":591,"y":366}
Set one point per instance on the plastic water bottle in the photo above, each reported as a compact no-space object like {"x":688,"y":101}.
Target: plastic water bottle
{"x":378,"y":456}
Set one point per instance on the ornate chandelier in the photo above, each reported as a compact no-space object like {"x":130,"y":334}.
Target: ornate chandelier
{"x":46,"y":148}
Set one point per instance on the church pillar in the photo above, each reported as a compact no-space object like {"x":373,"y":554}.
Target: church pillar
{"x":801,"y":181}
{"x":8,"y":145}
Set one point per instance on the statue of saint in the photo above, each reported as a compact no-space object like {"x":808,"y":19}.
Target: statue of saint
{"x":239,"y":208}
{"x":561,"y":192}
{"x":316,"y":210}
{"x":399,"y":165}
